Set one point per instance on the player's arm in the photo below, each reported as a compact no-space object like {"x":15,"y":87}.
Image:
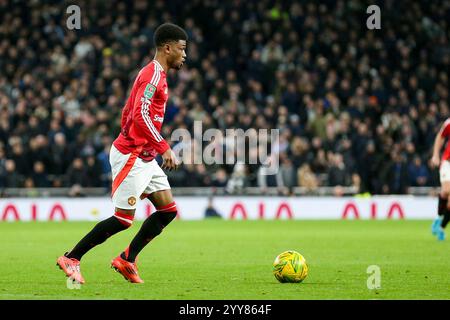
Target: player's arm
{"x":438,"y":143}
{"x":142,"y":117}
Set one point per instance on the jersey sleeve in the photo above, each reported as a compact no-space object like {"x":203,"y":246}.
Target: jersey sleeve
{"x":446,"y":129}
{"x":143,"y":114}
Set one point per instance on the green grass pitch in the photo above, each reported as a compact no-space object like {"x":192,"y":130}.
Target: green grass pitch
{"x":224,"y":260}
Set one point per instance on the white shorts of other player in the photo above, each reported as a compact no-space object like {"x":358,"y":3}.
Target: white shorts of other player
{"x":444,"y":171}
{"x":140,"y":178}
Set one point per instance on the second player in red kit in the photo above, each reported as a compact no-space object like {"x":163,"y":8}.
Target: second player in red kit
{"x":443,"y":163}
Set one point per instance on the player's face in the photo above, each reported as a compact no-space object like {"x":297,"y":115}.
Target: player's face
{"x":178,"y":54}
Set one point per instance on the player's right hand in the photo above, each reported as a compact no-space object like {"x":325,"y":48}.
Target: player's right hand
{"x":435,"y":161}
{"x":170,"y":161}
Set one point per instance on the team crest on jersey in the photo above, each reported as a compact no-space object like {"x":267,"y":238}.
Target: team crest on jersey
{"x":149,"y":91}
{"x":131,"y":201}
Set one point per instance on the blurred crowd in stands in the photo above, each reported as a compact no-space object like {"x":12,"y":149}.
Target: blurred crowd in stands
{"x":355,"y":107}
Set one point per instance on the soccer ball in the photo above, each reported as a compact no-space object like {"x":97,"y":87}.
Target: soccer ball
{"x":290,"y":266}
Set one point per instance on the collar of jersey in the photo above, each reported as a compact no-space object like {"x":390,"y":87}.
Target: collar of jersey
{"x":159,"y":65}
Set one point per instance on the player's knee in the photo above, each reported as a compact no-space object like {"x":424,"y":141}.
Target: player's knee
{"x":445,"y":189}
{"x":125,"y":219}
{"x":166,"y":213}
{"x":171,"y":207}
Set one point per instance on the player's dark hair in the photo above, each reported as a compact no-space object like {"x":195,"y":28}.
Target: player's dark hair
{"x":168,"y":32}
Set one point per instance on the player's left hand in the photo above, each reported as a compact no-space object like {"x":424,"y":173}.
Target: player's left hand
{"x":170,"y":161}
{"x":435,"y":161}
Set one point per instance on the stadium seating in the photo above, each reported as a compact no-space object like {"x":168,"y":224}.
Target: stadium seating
{"x":356,"y":108}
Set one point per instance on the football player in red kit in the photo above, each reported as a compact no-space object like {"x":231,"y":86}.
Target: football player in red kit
{"x":135,"y":172}
{"x":443,"y":217}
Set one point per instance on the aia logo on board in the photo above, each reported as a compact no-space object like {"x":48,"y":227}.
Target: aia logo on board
{"x":352,"y":209}
{"x":12,"y":211}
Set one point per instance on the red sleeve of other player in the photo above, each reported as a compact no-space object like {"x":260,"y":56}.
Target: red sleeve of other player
{"x":446,"y":128}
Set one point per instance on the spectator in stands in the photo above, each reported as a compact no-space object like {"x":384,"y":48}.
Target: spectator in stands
{"x":418,"y":173}
{"x":103,"y":162}
{"x":21,"y":161}
{"x":338,"y":174}
{"x":2,"y":167}
{"x":286,"y":176}
{"x":93,"y":172}
{"x":238,"y":179}
{"x":220,"y":179}
{"x":39,"y":176}
{"x":59,"y":154}
{"x":12,"y":178}
{"x":307,"y":179}
{"x":76,"y":174}
{"x":396,"y":175}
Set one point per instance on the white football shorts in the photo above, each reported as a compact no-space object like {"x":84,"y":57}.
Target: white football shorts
{"x":444,"y":171}
{"x":134,"y":178}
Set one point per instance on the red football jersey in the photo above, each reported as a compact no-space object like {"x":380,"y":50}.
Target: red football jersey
{"x":143,"y":114}
{"x":445,"y":133}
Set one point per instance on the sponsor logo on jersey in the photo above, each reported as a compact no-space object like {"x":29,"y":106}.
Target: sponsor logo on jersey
{"x":158,"y":118}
